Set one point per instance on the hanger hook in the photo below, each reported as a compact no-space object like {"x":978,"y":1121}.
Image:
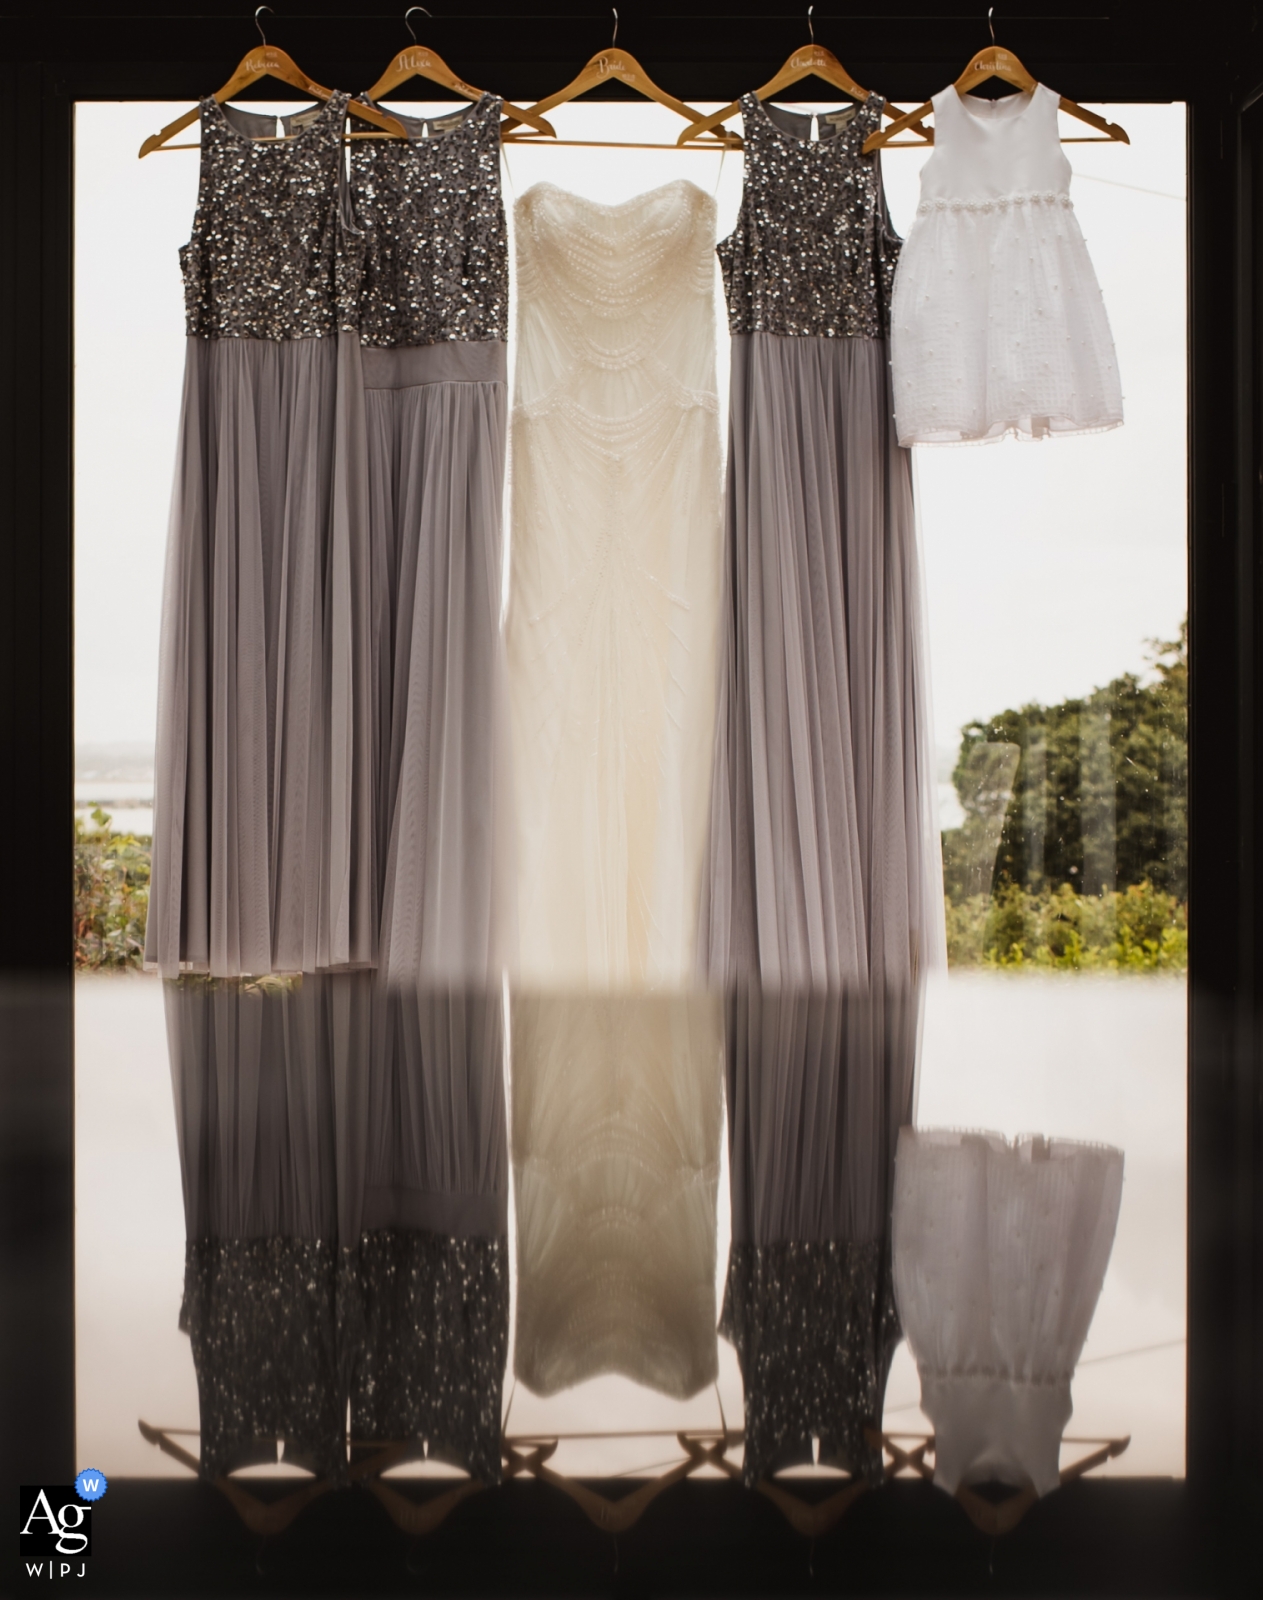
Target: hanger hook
{"x":811,"y":27}
{"x":990,"y":24}
{"x":614,"y":35}
{"x":258,"y":12}
{"x":408,"y":24}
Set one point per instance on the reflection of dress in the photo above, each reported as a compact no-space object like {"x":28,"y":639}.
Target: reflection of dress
{"x":616,"y":1121}
{"x":262,"y":857}
{"x":433,"y":322}
{"x":345,"y":1173}
{"x":614,"y":583}
{"x":818,"y":1087}
{"x":425,"y":1200}
{"x":1000,"y":1253}
{"x":254,"y":1098}
{"x":611,"y":643}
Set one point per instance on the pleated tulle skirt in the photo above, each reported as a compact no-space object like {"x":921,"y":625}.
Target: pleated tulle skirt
{"x":823,"y":866}
{"x":261,"y":852}
{"x":435,"y":425}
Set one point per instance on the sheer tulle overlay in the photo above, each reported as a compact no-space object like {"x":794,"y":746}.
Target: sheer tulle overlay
{"x":436,"y":435}
{"x":824,"y":868}
{"x":1000,"y":1253}
{"x":262,"y":853}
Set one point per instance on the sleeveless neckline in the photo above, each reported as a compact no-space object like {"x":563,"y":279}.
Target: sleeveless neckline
{"x":469,"y":116}
{"x":321,"y":108}
{"x":872,"y":106}
{"x":812,"y":253}
{"x":968,"y":103}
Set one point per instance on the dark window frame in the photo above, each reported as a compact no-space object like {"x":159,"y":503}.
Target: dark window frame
{"x":1136,"y":1534}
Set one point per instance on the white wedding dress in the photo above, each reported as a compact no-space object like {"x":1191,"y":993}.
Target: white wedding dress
{"x":615,"y":581}
{"x":611,"y":642}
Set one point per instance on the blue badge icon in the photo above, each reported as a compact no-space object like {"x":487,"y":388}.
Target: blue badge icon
{"x":90,"y":1485}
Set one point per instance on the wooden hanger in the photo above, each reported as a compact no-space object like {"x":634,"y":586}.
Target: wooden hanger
{"x":995,"y":62}
{"x":812,"y":61}
{"x":421,"y":62}
{"x":602,"y":68}
{"x":269,"y":62}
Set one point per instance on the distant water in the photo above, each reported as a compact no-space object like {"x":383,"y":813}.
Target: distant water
{"x":119,"y":779}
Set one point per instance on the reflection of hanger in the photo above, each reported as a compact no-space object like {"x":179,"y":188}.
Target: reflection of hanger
{"x":267,"y":1517}
{"x":604,"y":67}
{"x":613,"y":1516}
{"x":993,"y":62}
{"x":421,"y":62}
{"x":812,"y":61}
{"x":416,"y":1518}
{"x":992,"y":1517}
{"x":260,"y":1516}
{"x":812,"y":1518}
{"x":269,"y":62}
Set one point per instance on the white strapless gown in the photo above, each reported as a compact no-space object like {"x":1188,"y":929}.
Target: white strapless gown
{"x":611,"y":642}
{"x":615,"y":581}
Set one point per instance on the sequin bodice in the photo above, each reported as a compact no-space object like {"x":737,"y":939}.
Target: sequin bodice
{"x":813,"y":252}
{"x":271,"y":256}
{"x":436,"y":247}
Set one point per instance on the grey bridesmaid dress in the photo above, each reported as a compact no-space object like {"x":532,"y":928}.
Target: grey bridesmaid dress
{"x":823,"y":856}
{"x":433,"y":320}
{"x":262,"y":852}
{"x":822,"y":904}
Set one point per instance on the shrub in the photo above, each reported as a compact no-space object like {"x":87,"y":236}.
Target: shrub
{"x":1136,"y":929}
{"x":111,"y":896}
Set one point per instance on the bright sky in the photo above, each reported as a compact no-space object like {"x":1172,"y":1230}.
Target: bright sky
{"x":1047,"y":564}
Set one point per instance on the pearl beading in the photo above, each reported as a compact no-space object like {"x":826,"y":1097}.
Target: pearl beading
{"x":1048,"y":197}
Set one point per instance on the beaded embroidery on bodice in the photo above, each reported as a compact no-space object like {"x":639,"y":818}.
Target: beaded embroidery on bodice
{"x":813,"y":252}
{"x":436,"y":263}
{"x":606,"y":290}
{"x":271,"y":255}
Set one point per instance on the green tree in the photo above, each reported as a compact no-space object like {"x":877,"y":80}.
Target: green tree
{"x":1098,"y":794}
{"x":1073,"y":852}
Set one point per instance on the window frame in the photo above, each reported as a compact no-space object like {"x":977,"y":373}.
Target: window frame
{"x":1170,"y":1534}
